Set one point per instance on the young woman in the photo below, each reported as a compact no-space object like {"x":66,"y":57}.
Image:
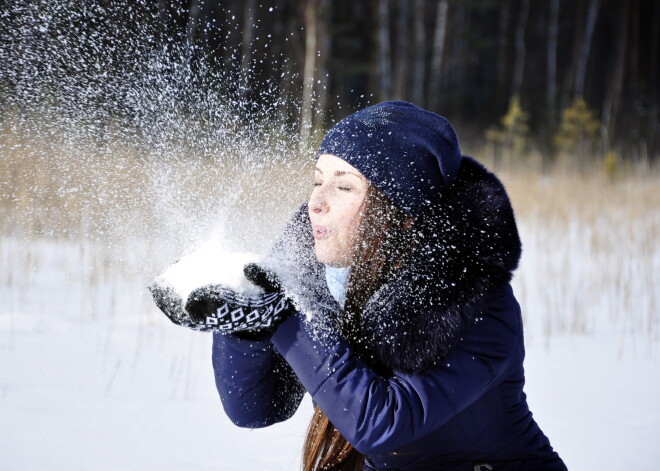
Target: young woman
{"x":393,"y":310}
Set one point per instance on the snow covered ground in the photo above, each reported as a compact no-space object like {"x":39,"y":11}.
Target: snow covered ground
{"x":92,"y":377}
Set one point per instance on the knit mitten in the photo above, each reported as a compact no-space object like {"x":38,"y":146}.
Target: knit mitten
{"x":221,"y":309}
{"x":171,"y":304}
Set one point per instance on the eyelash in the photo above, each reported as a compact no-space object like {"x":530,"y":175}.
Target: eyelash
{"x":342,"y":188}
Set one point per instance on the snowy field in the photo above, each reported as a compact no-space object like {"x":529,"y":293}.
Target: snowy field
{"x":93,"y":377}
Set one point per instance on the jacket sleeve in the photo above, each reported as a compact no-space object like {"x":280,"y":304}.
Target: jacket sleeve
{"x":256,"y":386}
{"x":377,"y":414}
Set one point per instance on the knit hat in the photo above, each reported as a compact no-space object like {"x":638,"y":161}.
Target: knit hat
{"x":408,"y":153}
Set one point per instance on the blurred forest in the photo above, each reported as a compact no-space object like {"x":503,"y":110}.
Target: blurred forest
{"x":578,"y":77}
{"x":560,"y":72}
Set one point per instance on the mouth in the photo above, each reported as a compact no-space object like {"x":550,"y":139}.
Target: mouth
{"x":320,"y":232}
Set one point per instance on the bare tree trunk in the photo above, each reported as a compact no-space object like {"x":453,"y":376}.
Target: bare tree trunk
{"x":568,"y":78}
{"x":655,"y":43}
{"x":632,"y":75}
{"x":325,"y":45}
{"x":402,"y":59}
{"x":463,"y":46}
{"x":384,"y":59}
{"x":654,"y":130}
{"x":306,"y":115}
{"x":455,"y":56}
{"x":194,"y":12}
{"x":581,"y":72}
{"x":288,"y":86}
{"x":612,"y":99}
{"x":519,"y":66}
{"x":439,"y":36}
{"x":420,"y":55}
{"x":249,"y":13}
{"x":551,"y":90}
{"x":502,"y":56}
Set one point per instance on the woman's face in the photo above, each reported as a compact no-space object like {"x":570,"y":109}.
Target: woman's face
{"x":335,"y":209}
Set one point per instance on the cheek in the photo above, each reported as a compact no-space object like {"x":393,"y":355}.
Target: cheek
{"x":351,"y":220}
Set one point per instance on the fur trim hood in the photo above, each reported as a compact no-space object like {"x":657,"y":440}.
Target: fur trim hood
{"x":467,"y":246}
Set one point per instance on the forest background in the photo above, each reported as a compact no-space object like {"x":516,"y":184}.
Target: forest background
{"x":541,"y":78}
{"x":554,"y":76}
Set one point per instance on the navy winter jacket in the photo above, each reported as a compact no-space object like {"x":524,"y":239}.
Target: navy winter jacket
{"x":439,"y":385}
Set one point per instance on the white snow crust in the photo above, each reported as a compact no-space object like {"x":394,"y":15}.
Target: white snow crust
{"x":210,"y":264}
{"x":94,"y":377}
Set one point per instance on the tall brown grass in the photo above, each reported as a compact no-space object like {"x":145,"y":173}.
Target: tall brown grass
{"x":590,"y":238}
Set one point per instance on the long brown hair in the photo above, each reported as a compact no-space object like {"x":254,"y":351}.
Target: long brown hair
{"x":383,"y":241}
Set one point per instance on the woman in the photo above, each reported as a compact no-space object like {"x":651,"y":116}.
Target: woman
{"x":394,"y":310}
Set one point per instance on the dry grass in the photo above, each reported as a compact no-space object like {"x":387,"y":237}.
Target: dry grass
{"x":590,"y":252}
{"x":51,"y":189}
{"x":591,"y":257}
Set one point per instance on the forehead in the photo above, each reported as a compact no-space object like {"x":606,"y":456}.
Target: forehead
{"x":329,"y":164}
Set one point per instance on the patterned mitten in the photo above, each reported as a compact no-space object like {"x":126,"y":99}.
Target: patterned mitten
{"x":221,"y":309}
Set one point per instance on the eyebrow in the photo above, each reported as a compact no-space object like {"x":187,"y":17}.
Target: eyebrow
{"x":341,"y":173}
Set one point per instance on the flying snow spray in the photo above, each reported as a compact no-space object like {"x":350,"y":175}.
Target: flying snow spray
{"x":120,"y":131}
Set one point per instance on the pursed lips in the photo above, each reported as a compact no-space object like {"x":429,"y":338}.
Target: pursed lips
{"x":320,"y":232}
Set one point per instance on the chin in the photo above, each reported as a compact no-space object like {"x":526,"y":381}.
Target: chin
{"x":330,"y":257}
{"x":323,"y":257}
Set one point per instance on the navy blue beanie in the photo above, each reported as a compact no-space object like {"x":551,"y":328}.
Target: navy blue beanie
{"x":408,"y":153}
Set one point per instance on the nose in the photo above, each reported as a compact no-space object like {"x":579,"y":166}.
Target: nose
{"x":318,"y":202}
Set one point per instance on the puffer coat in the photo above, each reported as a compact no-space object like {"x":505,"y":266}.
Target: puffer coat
{"x":438,"y":383}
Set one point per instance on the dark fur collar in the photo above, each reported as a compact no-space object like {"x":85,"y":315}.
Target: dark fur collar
{"x":467,"y":247}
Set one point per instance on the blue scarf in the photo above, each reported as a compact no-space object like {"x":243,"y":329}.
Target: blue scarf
{"x":337,"y":278}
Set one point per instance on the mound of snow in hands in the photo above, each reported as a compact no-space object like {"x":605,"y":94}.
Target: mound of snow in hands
{"x":210,"y":264}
